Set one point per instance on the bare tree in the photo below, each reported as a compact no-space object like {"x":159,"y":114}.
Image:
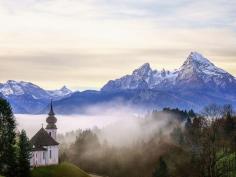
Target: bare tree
{"x":213,"y":111}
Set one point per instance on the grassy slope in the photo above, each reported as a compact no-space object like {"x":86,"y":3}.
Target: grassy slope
{"x":62,"y":170}
{"x":230,"y":157}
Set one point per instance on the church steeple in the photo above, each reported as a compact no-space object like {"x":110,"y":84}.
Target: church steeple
{"x":51,"y":112}
{"x":51,"y":120}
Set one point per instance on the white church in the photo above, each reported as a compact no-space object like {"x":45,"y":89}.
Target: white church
{"x":45,"y":148}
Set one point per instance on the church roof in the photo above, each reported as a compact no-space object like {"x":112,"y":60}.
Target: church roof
{"x":39,"y":149}
{"x":41,"y":139}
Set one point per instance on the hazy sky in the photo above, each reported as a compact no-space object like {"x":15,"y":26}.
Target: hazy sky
{"x":85,"y":43}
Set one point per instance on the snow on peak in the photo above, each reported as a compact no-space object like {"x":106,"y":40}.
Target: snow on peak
{"x":196,"y":68}
{"x":18,"y":88}
{"x":165,"y":73}
{"x":145,"y":66}
{"x":11,"y":87}
{"x":199,"y":64}
{"x":145,"y":69}
{"x":195,"y":60}
{"x":60,"y":92}
{"x":64,"y":88}
{"x":11,"y":82}
{"x":197,"y":57}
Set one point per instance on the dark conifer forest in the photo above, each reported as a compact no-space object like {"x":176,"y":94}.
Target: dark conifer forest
{"x":14,"y":148}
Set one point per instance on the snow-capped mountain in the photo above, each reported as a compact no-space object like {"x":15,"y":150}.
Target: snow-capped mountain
{"x":196,"y":72}
{"x":197,"y":83}
{"x":15,"y":88}
{"x":64,"y":91}
{"x":199,"y":71}
{"x":142,"y":78}
{"x":26,"y":97}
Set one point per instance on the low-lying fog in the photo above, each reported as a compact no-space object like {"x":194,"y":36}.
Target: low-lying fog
{"x":97,"y":116}
{"x":32,"y":123}
{"x":120,"y":125}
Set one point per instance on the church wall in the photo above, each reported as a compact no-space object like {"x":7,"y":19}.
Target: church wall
{"x":49,"y":157}
{"x":39,"y":158}
{"x":53,"y":154}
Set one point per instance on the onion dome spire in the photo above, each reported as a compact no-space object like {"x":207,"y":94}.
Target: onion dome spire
{"x":51,"y":112}
{"x":51,"y":119}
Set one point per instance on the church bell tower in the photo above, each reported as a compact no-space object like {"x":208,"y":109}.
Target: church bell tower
{"x":51,"y":120}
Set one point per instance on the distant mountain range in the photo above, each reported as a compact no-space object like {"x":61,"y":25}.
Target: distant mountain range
{"x":197,"y":83}
{"x":26,"y":97}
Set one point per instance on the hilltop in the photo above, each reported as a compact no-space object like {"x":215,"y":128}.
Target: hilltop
{"x":61,"y":170}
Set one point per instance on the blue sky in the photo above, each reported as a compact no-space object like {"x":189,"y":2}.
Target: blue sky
{"x":84,"y":43}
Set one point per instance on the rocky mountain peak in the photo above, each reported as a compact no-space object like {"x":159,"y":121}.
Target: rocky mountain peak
{"x":65,"y":89}
{"x":11,"y":82}
{"x":196,"y":71}
{"x":196,"y":60}
{"x":197,"y":63}
{"x":143,"y":70}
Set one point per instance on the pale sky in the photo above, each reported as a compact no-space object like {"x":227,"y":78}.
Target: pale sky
{"x":85,"y":43}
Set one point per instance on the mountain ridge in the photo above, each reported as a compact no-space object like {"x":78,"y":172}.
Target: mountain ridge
{"x":196,"y":67}
{"x":26,"y":97}
{"x":195,"y":84}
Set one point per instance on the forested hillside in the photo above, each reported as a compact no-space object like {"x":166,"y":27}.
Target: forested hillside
{"x":189,"y":146}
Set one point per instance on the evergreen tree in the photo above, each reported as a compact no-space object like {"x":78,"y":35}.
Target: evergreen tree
{"x":188,"y":123}
{"x":229,"y":126}
{"x":24,"y":155}
{"x":191,"y":113}
{"x":8,"y":160}
{"x":161,"y":169}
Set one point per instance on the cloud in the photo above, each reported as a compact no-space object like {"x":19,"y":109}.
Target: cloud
{"x":86,"y":42}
